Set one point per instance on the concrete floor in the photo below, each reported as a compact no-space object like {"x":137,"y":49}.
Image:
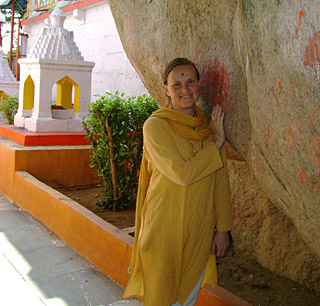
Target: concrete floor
{"x":38,"y":268}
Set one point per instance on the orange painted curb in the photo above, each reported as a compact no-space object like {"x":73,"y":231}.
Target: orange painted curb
{"x":218,"y":297}
{"x":102,"y":244}
{"x":28,"y":138}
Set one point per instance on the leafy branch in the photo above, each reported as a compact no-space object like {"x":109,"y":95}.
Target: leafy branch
{"x":115,"y":133}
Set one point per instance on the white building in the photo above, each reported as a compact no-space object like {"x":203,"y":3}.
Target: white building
{"x":96,"y":36}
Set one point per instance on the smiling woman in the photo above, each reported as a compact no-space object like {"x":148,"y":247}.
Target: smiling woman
{"x":183,"y":210}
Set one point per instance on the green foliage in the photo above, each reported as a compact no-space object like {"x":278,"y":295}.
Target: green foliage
{"x":115,"y":132}
{"x":9,"y":107}
{"x":14,"y":53}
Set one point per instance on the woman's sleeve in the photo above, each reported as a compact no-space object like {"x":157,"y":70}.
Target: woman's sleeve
{"x":222,"y":197}
{"x":163,"y":153}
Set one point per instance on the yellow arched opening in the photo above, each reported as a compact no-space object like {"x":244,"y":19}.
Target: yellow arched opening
{"x":28,"y":93}
{"x":64,"y":94}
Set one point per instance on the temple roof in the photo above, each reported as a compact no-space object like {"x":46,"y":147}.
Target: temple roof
{"x":55,"y":42}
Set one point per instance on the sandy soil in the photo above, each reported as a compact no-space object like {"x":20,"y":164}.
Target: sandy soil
{"x":243,"y":277}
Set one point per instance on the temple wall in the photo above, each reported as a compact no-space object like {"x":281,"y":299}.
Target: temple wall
{"x":96,"y":36}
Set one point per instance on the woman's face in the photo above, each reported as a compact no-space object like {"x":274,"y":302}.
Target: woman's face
{"x":183,"y":88}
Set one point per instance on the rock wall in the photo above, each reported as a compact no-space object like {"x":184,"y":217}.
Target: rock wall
{"x":265,"y":233}
{"x":260,"y":59}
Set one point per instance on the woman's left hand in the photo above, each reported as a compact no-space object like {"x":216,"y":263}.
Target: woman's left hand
{"x":220,"y":243}
{"x":216,"y":124}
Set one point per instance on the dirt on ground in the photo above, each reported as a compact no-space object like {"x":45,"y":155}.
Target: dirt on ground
{"x":243,"y":277}
{"x":89,"y":198}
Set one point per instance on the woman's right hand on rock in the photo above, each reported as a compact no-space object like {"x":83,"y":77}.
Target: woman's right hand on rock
{"x":216,"y":124}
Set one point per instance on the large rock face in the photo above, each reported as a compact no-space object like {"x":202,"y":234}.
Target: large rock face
{"x":261,"y":60}
{"x":265,"y":233}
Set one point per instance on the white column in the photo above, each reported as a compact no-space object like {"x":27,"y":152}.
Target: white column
{"x":42,"y":95}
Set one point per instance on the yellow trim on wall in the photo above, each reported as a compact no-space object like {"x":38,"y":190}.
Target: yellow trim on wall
{"x":64,"y":94}
{"x":28,"y":93}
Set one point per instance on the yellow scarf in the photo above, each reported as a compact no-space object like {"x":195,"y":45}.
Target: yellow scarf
{"x":181,"y":123}
{"x":192,"y":128}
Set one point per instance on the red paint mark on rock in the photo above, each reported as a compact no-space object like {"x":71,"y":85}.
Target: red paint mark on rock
{"x":308,"y":181}
{"x":299,"y":24}
{"x":292,"y":88}
{"x":292,"y":84}
{"x":277,"y":88}
{"x":298,"y":27}
{"x":290,"y":43}
{"x":312,"y":52}
{"x":214,"y":83}
{"x":301,"y":177}
{"x":290,"y":142}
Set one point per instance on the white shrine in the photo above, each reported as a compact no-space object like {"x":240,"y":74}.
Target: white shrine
{"x":8,"y":83}
{"x":54,"y":60}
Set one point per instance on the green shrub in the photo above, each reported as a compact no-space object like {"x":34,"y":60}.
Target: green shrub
{"x":9,"y":107}
{"x":115,"y":132}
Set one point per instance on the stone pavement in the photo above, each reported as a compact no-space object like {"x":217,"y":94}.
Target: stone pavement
{"x":38,"y":268}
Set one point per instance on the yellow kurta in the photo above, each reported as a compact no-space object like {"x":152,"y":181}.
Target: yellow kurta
{"x":187,"y":197}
